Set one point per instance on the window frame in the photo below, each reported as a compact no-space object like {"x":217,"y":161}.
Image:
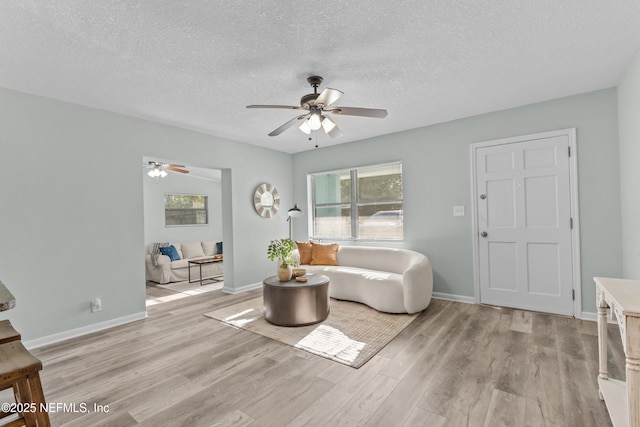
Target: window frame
{"x":353,"y":204}
{"x":206,"y":209}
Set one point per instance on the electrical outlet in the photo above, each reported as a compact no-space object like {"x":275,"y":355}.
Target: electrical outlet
{"x":96,"y":305}
{"x":458,"y":211}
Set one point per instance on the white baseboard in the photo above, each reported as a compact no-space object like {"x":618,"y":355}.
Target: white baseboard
{"x":241,"y":289}
{"x":84,"y":330}
{"x":585,"y":315}
{"x":453,"y":297}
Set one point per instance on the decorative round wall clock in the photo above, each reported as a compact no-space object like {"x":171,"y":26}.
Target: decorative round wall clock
{"x":266,"y":200}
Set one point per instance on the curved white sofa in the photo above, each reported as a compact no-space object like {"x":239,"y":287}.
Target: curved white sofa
{"x":389,"y":280}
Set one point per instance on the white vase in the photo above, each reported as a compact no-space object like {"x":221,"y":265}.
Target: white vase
{"x":285,"y":272}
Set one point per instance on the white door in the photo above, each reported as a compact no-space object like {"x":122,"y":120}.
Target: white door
{"x":524,"y":224}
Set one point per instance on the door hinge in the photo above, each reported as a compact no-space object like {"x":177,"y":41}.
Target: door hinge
{"x":571,"y":223}
{"x":573,"y":294}
{"x":569,"y":150}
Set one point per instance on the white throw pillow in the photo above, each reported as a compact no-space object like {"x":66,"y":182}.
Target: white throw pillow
{"x":192,"y":250}
{"x":209,"y":247}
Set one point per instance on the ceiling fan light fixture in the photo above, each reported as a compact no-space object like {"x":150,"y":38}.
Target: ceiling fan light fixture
{"x":315,"y":120}
{"x":157,"y":171}
{"x":316,"y":106}
{"x":304,"y":127}
{"x":328,"y":124}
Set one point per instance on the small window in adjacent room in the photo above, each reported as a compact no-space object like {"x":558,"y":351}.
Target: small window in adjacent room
{"x":358,"y":203}
{"x":185,"y":209}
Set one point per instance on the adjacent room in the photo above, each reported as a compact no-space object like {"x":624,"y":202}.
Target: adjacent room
{"x":183,"y":209}
{"x":333,"y":214}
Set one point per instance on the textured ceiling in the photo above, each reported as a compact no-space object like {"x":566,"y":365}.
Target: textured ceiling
{"x":197,"y":64}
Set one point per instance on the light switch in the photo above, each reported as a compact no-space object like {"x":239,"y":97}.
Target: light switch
{"x":458,"y":211}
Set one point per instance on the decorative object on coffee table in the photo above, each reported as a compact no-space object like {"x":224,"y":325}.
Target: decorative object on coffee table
{"x":282,"y":250}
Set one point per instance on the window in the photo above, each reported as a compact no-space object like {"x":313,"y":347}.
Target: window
{"x":185,"y":209}
{"x":361,"y":203}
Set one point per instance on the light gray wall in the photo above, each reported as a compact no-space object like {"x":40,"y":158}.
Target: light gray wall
{"x":436,"y":171}
{"x":71,"y":217}
{"x":629,"y":124}
{"x":154,"y":222}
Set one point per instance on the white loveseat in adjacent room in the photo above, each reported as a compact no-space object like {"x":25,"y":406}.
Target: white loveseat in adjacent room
{"x":160,"y":269}
{"x":387,"y":279}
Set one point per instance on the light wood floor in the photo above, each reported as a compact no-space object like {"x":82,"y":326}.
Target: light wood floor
{"x":456,"y":365}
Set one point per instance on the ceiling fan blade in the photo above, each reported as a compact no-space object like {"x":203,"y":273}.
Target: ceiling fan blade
{"x":177,"y":169}
{"x":286,"y":107}
{"x":173,"y":165}
{"x":362,"y":112}
{"x":287,"y":125}
{"x":328,"y":96}
{"x":335,"y":132}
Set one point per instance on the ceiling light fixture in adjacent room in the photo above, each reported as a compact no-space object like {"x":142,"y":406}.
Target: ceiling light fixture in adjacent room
{"x":157,"y":172}
{"x":159,"y":169}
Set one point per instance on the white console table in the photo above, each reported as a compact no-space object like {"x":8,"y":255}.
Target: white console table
{"x":623,"y":298}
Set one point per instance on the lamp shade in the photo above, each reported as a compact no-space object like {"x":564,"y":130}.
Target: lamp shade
{"x":294,"y":211}
{"x":315,"y":120}
{"x":304,"y":127}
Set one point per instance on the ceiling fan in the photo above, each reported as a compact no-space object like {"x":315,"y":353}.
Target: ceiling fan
{"x":158,"y":169}
{"x":317,"y":105}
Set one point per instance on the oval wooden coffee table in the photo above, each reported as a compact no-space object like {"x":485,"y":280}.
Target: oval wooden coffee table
{"x":296,"y":303}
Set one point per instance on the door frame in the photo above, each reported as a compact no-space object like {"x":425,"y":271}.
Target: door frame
{"x":570,"y":133}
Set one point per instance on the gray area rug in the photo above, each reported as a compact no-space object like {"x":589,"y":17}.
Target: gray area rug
{"x":352,"y":334}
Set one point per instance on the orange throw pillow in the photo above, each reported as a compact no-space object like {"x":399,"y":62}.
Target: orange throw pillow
{"x":324,"y":254}
{"x":304,"y":248}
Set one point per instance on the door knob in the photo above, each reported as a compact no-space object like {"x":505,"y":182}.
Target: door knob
{"x":483,"y":196}
{"x":484,"y":234}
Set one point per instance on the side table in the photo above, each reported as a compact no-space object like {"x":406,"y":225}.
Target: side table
{"x":622,"y":398}
{"x":295,"y":303}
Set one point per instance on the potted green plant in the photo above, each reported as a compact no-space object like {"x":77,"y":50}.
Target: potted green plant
{"x":282,"y":250}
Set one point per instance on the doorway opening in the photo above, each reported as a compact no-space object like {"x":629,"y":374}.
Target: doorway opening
{"x":183,"y":223}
